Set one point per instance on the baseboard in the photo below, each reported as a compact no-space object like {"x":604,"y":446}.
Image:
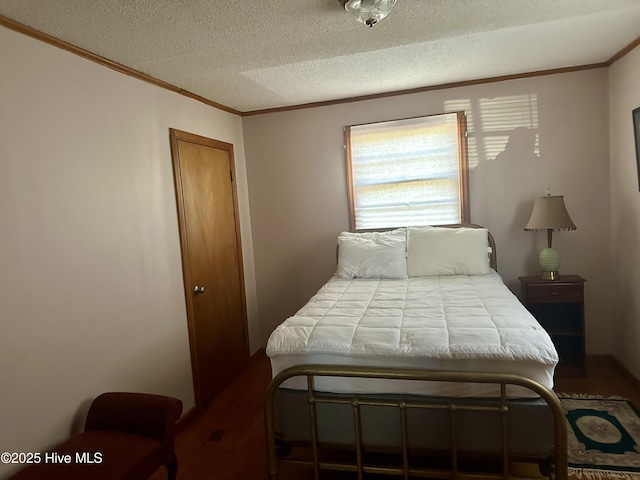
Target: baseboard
{"x":630,"y":377}
{"x":612,"y":361}
{"x":596,"y":360}
{"x":193,"y":413}
{"x":258,"y":354}
{"x":188,"y":417}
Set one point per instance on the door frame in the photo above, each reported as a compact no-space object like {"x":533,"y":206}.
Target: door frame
{"x":175,"y":137}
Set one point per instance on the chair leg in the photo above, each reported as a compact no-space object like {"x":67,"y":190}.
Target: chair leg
{"x":172,"y":468}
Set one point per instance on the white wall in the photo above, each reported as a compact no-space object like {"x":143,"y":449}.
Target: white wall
{"x":624,"y":96}
{"x":298,"y":191}
{"x":91,"y":293}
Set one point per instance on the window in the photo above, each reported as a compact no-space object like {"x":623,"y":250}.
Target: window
{"x":408,"y":172}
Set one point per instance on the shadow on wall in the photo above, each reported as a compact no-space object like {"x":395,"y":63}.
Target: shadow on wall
{"x":504,"y":161}
{"x":492,"y":121}
{"x":503,"y":180}
{"x":505,"y":173}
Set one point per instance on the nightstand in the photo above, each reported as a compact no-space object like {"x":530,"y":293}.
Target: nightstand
{"x":558,"y":305}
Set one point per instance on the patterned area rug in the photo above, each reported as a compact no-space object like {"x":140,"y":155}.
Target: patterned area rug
{"x":603,"y":437}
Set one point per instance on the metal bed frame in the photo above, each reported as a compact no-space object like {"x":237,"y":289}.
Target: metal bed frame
{"x":406,"y":467}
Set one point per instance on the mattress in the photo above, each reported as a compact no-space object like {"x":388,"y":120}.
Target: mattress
{"x":455,"y":322}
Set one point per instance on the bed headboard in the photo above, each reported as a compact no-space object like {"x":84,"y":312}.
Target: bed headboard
{"x":493,"y":259}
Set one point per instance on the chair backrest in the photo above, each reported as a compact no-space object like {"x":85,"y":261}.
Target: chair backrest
{"x":146,"y":414}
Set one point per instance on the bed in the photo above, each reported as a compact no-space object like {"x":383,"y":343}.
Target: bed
{"x":414,"y":359}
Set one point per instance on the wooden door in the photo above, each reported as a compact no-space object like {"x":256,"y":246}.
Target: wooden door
{"x":212,"y":261}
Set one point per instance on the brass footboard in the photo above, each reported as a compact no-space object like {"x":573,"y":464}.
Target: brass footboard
{"x":405,"y":468}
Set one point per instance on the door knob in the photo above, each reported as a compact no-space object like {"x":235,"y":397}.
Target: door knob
{"x":198,"y":289}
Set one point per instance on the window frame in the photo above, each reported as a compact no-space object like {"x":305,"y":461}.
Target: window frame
{"x":463,"y":168}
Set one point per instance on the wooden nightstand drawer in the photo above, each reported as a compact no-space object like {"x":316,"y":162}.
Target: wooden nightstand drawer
{"x":554,"y":293}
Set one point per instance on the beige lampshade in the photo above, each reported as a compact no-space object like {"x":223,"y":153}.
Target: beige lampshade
{"x":550,"y":213}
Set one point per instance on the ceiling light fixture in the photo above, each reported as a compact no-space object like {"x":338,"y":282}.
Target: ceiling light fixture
{"x":368,"y":12}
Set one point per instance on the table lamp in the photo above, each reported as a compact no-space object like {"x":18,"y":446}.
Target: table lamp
{"x":549,"y":213}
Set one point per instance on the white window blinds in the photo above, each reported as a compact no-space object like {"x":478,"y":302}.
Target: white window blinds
{"x":407,"y":172}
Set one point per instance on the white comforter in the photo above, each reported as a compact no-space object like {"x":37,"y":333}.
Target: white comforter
{"x":446,"y":317}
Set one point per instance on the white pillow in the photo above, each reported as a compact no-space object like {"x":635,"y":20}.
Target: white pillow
{"x":372,"y":254}
{"x":447,"y":251}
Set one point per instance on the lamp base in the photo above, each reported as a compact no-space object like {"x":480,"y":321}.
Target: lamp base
{"x":549,"y":262}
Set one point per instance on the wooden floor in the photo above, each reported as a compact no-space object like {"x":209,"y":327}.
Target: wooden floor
{"x":226,"y":442}
{"x":603,"y":378}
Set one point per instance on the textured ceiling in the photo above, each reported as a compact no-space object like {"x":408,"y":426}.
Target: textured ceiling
{"x":255,"y":55}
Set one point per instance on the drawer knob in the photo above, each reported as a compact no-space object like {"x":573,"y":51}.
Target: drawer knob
{"x":554,"y":294}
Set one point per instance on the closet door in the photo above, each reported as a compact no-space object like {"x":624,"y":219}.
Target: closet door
{"x":212,"y":261}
